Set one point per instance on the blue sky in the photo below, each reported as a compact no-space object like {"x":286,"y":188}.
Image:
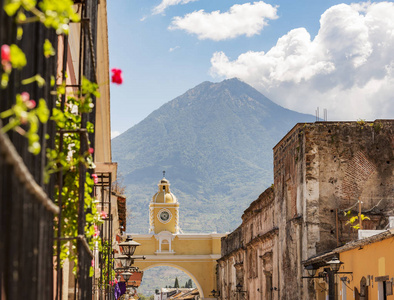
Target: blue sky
{"x":301,"y":54}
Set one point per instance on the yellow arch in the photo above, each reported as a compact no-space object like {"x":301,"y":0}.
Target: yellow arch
{"x":194,"y":254}
{"x":200,"y":290}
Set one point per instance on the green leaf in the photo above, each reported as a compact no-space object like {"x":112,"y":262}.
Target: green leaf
{"x":53,"y":81}
{"x":12,"y":6}
{"x":4,"y":80}
{"x":36,"y":78}
{"x":48,"y":49}
{"x":42,"y":111}
{"x":90,"y":127}
{"x":89,"y":218}
{"x":58,"y":117}
{"x":34,"y":148}
{"x":19,"y":33}
{"x":18,"y":58}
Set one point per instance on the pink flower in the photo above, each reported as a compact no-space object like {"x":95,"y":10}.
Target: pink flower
{"x":7,"y":67}
{"x":91,"y":150}
{"x":5,"y":53}
{"x":117,"y":76}
{"x":115,"y":281}
{"x":93,"y":263}
{"x":31,"y":104}
{"x":25,"y":96}
{"x":103,"y":214}
{"x":96,"y":231}
{"x":95,"y":178}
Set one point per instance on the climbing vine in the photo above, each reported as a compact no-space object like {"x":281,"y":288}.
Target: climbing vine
{"x":26,"y":116}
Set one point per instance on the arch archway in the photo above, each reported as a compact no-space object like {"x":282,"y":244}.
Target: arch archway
{"x":193,"y":254}
{"x":198,"y":285}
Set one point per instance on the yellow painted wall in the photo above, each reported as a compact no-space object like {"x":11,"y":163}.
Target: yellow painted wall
{"x":196,"y":255}
{"x":375,"y":259}
{"x":170,"y":226}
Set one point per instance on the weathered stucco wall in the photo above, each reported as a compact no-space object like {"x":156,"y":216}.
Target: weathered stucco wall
{"x":321,"y":170}
{"x":249,"y":253}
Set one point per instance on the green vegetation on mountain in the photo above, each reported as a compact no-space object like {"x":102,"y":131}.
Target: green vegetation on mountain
{"x":215,"y":144}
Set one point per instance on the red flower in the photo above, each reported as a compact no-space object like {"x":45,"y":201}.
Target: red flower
{"x":5,"y":53}
{"x":117,"y":76}
{"x":91,"y":150}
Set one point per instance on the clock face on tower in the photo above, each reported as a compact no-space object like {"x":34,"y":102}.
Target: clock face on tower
{"x":164,"y":215}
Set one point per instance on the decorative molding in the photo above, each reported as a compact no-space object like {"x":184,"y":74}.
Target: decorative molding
{"x":161,"y":253}
{"x":179,"y":258}
{"x":201,"y":236}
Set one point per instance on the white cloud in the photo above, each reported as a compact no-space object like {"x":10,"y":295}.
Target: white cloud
{"x":166,"y":3}
{"x":173,"y":49}
{"x":242,"y":19}
{"x":114,"y":134}
{"x":347,"y":68}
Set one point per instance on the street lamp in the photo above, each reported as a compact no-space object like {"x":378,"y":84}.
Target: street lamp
{"x":311,"y":270}
{"x":128,"y":247}
{"x":126,"y":276}
{"x":334,"y":264}
{"x":125,"y":260}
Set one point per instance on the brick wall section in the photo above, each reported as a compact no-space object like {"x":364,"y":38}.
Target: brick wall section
{"x":356,"y":174}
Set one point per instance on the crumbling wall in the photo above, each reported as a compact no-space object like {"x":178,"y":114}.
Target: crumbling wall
{"x":322,"y":170}
{"x":356,"y":162}
{"x":289,"y":169}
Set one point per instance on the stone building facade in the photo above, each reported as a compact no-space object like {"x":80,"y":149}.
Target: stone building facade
{"x":321,"y":170}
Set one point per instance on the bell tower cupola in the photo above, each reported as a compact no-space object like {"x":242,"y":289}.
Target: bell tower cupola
{"x":164,"y":209}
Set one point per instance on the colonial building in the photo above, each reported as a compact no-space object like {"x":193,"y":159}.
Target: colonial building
{"x":366,"y":270}
{"x":321,"y":170}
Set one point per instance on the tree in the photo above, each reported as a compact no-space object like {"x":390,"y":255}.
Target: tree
{"x":176,"y":284}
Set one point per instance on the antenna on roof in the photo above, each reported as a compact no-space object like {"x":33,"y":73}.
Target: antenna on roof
{"x":164,"y":174}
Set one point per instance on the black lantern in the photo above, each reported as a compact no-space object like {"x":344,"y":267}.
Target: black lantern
{"x":125,"y":260}
{"x":126,"y":276}
{"x":128,"y":246}
{"x":335,"y":264}
{"x":311,"y":270}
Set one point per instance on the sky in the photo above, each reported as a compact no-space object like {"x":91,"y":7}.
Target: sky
{"x":304,"y":54}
